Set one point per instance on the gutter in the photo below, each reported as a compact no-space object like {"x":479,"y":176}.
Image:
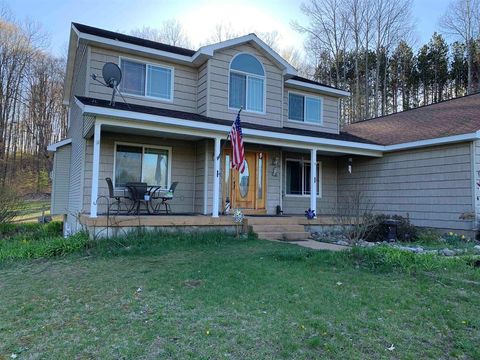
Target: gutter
{"x":310,"y":140}
{"x":55,"y":146}
{"x":432,"y":142}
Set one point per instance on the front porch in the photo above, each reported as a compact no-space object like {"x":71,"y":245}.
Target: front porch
{"x":266,"y":227}
{"x":280,"y":178}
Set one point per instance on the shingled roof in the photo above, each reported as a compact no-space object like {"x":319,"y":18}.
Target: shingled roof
{"x":447,"y":118}
{"x":112,"y":35}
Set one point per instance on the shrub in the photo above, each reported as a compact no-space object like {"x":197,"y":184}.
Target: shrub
{"x":32,"y":230}
{"x":10,"y":205}
{"x":26,"y":248}
{"x":429,"y":236}
{"x":378,"y":230}
{"x":31,"y":241}
{"x":387,"y":259}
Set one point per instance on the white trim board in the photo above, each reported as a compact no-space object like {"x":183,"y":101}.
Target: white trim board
{"x":323,"y":89}
{"x":55,"y":146}
{"x":434,"y":141}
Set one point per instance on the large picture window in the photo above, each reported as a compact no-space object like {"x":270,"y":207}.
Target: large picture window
{"x":138,"y":163}
{"x":298,"y":178}
{"x":247,"y":84}
{"x":146,"y":80}
{"x":304,"y":108}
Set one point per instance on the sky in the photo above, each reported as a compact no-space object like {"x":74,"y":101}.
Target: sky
{"x":198,"y":17}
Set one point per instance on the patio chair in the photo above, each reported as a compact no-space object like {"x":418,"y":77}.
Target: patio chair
{"x":165,"y":197}
{"x":139,"y":194}
{"x":117,"y":199}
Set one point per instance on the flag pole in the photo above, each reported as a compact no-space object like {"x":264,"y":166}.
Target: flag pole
{"x":228,"y":136}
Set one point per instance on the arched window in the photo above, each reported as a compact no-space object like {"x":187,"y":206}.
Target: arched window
{"x":247,"y":83}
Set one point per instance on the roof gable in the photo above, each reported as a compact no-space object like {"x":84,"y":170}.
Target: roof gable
{"x":253,"y":39}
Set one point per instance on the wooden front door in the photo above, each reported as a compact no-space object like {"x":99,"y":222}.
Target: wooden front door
{"x":246,"y":190}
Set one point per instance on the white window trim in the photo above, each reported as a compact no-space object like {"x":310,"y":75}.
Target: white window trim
{"x":264,"y":78}
{"x":147,"y":64}
{"x":319,"y":179}
{"x":305,"y":96}
{"x":143,"y":146}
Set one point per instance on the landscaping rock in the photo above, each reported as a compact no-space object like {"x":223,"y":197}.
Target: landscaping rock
{"x":410,"y":248}
{"x":342,"y":242}
{"x":447,"y":252}
{"x":476,"y":249}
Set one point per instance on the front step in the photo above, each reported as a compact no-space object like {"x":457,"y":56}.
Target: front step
{"x":284,"y":236}
{"x":264,"y":228}
{"x":273,"y":220}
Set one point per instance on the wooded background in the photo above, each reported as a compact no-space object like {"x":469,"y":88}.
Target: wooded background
{"x":367,"y":47}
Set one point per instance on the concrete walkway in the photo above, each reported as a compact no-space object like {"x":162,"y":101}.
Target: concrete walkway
{"x":317,"y":245}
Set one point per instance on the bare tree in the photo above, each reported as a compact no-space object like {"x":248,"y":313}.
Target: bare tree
{"x":354,"y":213}
{"x":171,"y":32}
{"x":222,"y":32}
{"x":327,"y":29}
{"x":462,"y":20}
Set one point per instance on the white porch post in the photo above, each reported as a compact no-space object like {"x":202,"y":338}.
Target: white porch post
{"x":95,"y":170}
{"x":313,"y":180}
{"x":216,"y":177}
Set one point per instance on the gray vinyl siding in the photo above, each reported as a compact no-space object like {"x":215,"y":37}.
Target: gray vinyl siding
{"x":75,"y":132}
{"x":202,"y":89}
{"x":183,"y":171}
{"x":219,"y":67}
{"x":330,"y":114}
{"x":432,"y":185}
{"x":61,"y":180}
{"x":326,"y":203}
{"x":476,"y":180}
{"x":199,"y":176}
{"x":185,"y":82}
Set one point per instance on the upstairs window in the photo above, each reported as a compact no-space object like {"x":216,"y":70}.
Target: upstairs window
{"x":146,"y":80}
{"x":247,"y":84}
{"x":304,"y":108}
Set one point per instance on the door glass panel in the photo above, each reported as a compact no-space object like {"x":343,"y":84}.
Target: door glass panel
{"x":243,"y":180}
{"x":260,"y":176}
{"x":227,"y":177}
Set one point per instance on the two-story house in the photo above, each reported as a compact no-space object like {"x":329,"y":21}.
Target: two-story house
{"x":180,"y":106}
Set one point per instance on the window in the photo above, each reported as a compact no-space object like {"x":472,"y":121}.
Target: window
{"x":135,"y":163}
{"x":298,"y":177}
{"x":146,"y":79}
{"x":304,"y":108}
{"x":247,"y":84}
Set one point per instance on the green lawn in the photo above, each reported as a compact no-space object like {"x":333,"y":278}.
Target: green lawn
{"x":31,"y":210}
{"x":213,"y":297}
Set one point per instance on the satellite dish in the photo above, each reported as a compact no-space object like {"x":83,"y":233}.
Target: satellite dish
{"x":112,"y":75}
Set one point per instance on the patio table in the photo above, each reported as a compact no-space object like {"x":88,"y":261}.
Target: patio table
{"x":148,"y":195}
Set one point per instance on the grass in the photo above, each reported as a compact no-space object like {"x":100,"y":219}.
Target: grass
{"x":31,"y":210}
{"x":211,"y":296}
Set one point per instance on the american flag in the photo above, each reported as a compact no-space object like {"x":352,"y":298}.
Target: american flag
{"x":236,"y":137}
